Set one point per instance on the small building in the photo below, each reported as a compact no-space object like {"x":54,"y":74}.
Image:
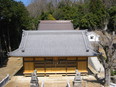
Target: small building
{"x":55,"y":25}
{"x":54,"y":51}
{"x":93,"y":37}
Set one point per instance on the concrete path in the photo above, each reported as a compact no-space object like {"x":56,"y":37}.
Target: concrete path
{"x":95,"y":63}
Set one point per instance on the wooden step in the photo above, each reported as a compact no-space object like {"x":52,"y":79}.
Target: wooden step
{"x":55,"y":75}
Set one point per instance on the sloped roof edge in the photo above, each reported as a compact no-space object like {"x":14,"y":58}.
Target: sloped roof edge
{"x":29,"y":48}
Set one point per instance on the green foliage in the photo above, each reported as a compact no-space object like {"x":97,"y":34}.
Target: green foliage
{"x":66,"y":13}
{"x":43,"y":16}
{"x":98,"y":9}
{"x":90,"y":21}
{"x":112,"y":18}
{"x":46,"y":16}
{"x":50,"y":17}
{"x":113,"y":72}
{"x":13,"y":18}
{"x":93,"y":14}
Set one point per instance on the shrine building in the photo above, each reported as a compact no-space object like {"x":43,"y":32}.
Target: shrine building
{"x":54,"y":51}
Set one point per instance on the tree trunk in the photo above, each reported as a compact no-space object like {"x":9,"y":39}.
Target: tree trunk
{"x":107,"y":77}
{"x":0,"y":53}
{"x":5,"y":42}
{"x":9,"y":45}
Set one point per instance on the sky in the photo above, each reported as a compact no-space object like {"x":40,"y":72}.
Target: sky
{"x":26,"y":2}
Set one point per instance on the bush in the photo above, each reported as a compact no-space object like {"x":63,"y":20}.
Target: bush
{"x":113,"y":72}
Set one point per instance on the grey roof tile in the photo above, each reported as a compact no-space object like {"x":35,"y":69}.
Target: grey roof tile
{"x":54,"y":43}
{"x":55,"y":25}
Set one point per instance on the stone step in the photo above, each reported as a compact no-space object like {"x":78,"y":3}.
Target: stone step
{"x":55,"y":75}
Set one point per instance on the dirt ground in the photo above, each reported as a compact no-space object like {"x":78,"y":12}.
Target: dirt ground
{"x":55,"y":81}
{"x":12,"y":66}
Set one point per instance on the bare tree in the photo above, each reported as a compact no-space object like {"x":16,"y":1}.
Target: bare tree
{"x":108,"y":45}
{"x":109,"y":3}
{"x":36,"y":7}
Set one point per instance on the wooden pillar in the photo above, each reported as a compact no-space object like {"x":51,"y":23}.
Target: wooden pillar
{"x":76,"y":62}
{"x":45,"y":66}
{"x":34,"y":62}
{"x":23,"y":65}
{"x":66,"y":66}
{"x":87,"y":63}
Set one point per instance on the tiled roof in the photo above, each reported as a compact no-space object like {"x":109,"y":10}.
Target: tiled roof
{"x":55,"y":25}
{"x":54,"y":43}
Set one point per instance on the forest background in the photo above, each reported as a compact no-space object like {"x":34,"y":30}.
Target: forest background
{"x":84,"y":14}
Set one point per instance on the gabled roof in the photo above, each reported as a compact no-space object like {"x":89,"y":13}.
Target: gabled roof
{"x":55,"y":25}
{"x":54,"y":43}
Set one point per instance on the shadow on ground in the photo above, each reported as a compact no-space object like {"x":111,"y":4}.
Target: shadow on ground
{"x":20,"y":72}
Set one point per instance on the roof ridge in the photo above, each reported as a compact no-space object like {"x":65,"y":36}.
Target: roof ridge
{"x":85,"y":42}
{"x":54,"y":32}
{"x":25,"y":36}
{"x":72,"y":44}
{"x":57,"y":31}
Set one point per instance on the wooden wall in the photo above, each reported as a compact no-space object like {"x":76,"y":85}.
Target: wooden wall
{"x":55,"y":64}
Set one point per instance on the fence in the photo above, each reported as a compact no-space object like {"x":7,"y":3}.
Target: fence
{"x":112,"y":85}
{"x":68,"y":84}
{"x":4,"y":81}
{"x":42,"y":84}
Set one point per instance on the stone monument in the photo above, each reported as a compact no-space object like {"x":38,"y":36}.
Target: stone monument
{"x":34,"y":79}
{"x":77,"y":80}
